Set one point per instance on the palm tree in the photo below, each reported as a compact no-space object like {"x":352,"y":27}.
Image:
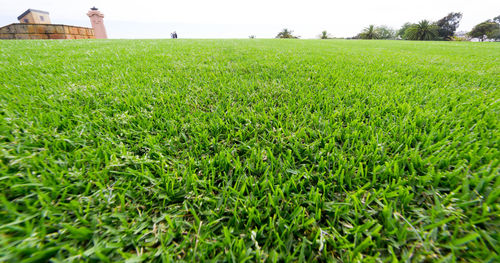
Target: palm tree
{"x":369,"y":32}
{"x":286,"y":34}
{"x":423,"y":30}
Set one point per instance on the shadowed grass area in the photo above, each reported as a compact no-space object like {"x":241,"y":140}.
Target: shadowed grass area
{"x":277,"y":150}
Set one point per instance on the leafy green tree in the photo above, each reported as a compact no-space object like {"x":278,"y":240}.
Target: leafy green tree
{"x":496,"y":33}
{"x":286,"y":33}
{"x":385,"y":32}
{"x":484,"y":30}
{"x":423,"y":30}
{"x":401,"y":32}
{"x":496,"y":19}
{"x":369,"y":33}
{"x":324,"y":35}
{"x":448,"y":25}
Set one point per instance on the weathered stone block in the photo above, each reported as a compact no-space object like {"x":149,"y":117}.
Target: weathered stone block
{"x":57,"y":36}
{"x":29,"y":29}
{"x":6,"y":36}
{"x":20,"y":29}
{"x":50,"y":29}
{"x":4,"y":30}
{"x":11,"y":29}
{"x":40,"y":29}
{"x":73,"y":30}
{"x":39,"y":36}
{"x":22,"y":36}
{"x":59,"y":29}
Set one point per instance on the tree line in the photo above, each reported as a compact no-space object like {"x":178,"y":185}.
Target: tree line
{"x":443,"y":29}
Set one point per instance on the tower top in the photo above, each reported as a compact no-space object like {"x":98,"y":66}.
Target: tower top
{"x":94,"y":12}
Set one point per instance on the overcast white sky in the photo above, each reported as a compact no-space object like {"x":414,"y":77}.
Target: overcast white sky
{"x":241,"y":18}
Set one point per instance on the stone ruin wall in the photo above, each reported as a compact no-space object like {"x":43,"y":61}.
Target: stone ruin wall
{"x":45,"y":31}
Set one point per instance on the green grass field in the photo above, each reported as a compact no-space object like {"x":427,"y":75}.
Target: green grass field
{"x":249,"y":150}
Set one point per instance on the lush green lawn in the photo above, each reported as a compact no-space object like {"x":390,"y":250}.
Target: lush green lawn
{"x":249,"y":150}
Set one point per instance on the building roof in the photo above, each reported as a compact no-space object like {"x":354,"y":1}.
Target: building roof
{"x":31,"y":10}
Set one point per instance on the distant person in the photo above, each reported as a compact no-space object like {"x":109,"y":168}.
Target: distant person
{"x":175,"y":34}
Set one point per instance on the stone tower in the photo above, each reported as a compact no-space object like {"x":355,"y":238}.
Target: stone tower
{"x":96,"y":18}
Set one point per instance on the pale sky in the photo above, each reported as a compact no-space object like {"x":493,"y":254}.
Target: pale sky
{"x":240,"y":19}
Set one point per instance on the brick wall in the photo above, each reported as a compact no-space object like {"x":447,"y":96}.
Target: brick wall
{"x":45,"y":31}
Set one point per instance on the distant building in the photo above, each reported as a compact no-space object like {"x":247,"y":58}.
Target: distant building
{"x":33,"y":16}
{"x":36,"y":24}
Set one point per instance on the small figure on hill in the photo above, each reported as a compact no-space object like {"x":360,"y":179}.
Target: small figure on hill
{"x":174,"y":35}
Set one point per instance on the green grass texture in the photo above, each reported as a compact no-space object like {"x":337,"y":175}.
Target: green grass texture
{"x":249,"y":150}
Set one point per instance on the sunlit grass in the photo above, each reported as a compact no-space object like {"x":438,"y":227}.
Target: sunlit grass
{"x":277,"y":150}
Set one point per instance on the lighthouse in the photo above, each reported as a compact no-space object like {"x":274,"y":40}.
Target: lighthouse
{"x":96,"y":19}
